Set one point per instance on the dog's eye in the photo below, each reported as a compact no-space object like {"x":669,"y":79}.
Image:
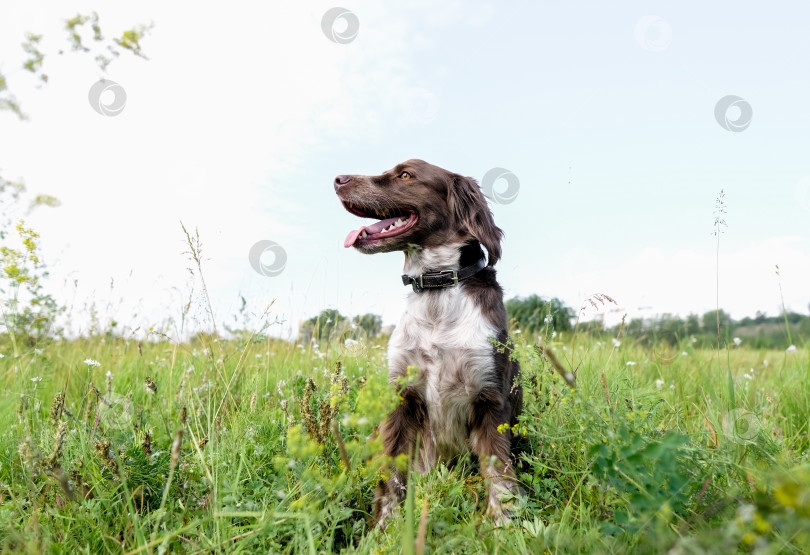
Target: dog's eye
{"x":404,"y":175}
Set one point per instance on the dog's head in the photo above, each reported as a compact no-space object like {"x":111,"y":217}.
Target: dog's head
{"x":417,"y":204}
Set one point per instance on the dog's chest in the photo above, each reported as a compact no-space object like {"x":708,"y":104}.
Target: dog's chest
{"x":446,"y":336}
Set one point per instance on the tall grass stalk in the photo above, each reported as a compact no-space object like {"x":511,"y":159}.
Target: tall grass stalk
{"x":719,"y":222}
{"x":784,"y":309}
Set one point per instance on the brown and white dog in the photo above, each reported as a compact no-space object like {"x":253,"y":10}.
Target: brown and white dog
{"x":453,"y":330}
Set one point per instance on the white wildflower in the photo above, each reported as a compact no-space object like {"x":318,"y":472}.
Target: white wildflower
{"x":36,"y":379}
{"x":791,"y":349}
{"x":279,"y":385}
{"x":746,"y":512}
{"x":350,"y":342}
{"x":91,"y":362}
{"x":630,"y":363}
{"x":616,"y":342}
{"x":684,"y":354}
{"x":737,"y":341}
{"x":659,"y":383}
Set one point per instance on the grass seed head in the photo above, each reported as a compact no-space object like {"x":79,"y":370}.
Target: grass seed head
{"x":176,"y":444}
{"x":56,"y":407}
{"x":146,"y":443}
{"x":22,"y":407}
{"x":26,"y":453}
{"x":103,"y":451}
{"x":58,"y":440}
{"x":310,"y":421}
{"x":151,"y":387}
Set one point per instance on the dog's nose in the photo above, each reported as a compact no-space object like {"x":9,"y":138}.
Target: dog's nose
{"x":341,"y":180}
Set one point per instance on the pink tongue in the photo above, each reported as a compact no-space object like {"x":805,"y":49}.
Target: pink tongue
{"x":371,"y":230}
{"x":352,"y":237}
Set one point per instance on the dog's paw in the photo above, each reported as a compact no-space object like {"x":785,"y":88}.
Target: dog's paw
{"x":501,"y":517}
{"x":386,"y":501}
{"x":386,"y":510}
{"x":503,"y":496}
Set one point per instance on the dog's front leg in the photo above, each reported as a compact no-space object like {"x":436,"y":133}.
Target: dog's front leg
{"x":399,"y":433}
{"x":493,"y":449}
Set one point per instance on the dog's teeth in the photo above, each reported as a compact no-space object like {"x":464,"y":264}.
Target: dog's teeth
{"x":399,"y":222}
{"x":364,"y":234}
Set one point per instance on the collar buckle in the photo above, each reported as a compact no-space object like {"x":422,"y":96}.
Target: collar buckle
{"x":443,"y":278}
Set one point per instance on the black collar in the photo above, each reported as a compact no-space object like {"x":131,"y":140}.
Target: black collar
{"x":444,"y":278}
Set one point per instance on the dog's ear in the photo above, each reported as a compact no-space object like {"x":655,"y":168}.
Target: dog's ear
{"x":469,"y":209}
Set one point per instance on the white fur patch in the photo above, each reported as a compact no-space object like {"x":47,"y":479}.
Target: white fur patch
{"x":448,"y":338}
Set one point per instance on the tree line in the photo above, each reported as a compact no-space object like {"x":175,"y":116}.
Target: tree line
{"x":537,"y":317}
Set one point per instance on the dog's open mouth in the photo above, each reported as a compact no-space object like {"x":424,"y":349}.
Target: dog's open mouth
{"x":393,"y":222}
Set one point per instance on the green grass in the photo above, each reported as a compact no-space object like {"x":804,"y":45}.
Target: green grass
{"x":700,"y":451}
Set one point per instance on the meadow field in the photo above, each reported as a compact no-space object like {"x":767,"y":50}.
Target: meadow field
{"x":257,"y":445}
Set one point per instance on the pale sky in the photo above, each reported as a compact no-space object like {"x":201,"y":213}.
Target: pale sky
{"x":244,"y":113}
